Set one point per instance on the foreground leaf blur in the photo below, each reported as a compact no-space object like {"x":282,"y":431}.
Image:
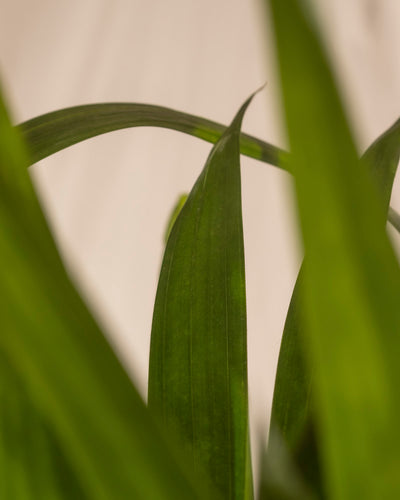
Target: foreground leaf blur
{"x":352,"y":282}
{"x":72,"y":385}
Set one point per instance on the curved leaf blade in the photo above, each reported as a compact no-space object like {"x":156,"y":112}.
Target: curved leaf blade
{"x":198,"y":355}
{"x":353,"y":279}
{"x":290,"y":404}
{"x":291,"y":401}
{"x":382,"y":158}
{"x":49,"y":133}
{"x":63,"y":360}
{"x":174,"y":214}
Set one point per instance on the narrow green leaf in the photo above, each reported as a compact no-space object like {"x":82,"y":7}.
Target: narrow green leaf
{"x":352,"y":280}
{"x":382,"y":158}
{"x":174,"y":214}
{"x":198,"y":360}
{"x":290,"y":404}
{"x":49,"y":133}
{"x":280,"y":478}
{"x":292,"y":413}
{"x":290,"y":408}
{"x":394,"y":218}
{"x":57,"y":130}
{"x":62,"y":359}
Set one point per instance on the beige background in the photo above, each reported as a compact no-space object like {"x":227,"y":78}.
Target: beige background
{"x":108,"y":199}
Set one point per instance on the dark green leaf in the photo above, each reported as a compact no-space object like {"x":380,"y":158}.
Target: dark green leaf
{"x":66,"y":366}
{"x":290,"y":405}
{"x":352,"y":283}
{"x":280,"y":478}
{"x":55,"y":131}
{"x":382,"y":158}
{"x":198,"y":360}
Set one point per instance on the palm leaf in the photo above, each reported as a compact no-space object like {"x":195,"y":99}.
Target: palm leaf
{"x":291,"y":401}
{"x":198,"y":374}
{"x":72,"y":380}
{"x":52,"y":132}
{"x":352,"y":280}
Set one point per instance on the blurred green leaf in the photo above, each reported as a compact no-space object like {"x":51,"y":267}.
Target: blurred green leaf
{"x":198,"y":360}
{"x":66,"y":366}
{"x":32,"y":465}
{"x":352,"y":280}
{"x":280,"y":478}
{"x":394,"y":219}
{"x":291,"y":401}
{"x":57,"y":130}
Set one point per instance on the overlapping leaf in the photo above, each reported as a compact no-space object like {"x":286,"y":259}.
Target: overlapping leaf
{"x":291,"y":402}
{"x":352,"y":282}
{"x":66,"y":369}
{"x":32,"y":465}
{"x":198,"y":360}
{"x":57,"y":130}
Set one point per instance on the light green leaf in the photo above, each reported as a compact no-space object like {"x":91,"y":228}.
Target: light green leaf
{"x":59,"y":355}
{"x":32,"y":465}
{"x":291,"y":402}
{"x":352,"y":280}
{"x":57,"y":130}
{"x":198,"y":360}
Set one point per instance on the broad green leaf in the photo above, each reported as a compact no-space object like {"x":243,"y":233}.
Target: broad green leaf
{"x":32,"y":465}
{"x":57,"y":130}
{"x":61,"y":358}
{"x":280,"y":477}
{"x":198,"y":360}
{"x":352,"y":279}
{"x":290,"y":408}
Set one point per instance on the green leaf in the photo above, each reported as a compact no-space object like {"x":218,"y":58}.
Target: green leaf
{"x":32,"y":465}
{"x":57,"y":130}
{"x":382,"y":158}
{"x":58,"y":353}
{"x":352,"y":280}
{"x":280,"y":478}
{"x":198,"y":360}
{"x":49,"y":133}
{"x":394,"y":219}
{"x":174,"y":214}
{"x":291,"y":402}
{"x":292,"y":416}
